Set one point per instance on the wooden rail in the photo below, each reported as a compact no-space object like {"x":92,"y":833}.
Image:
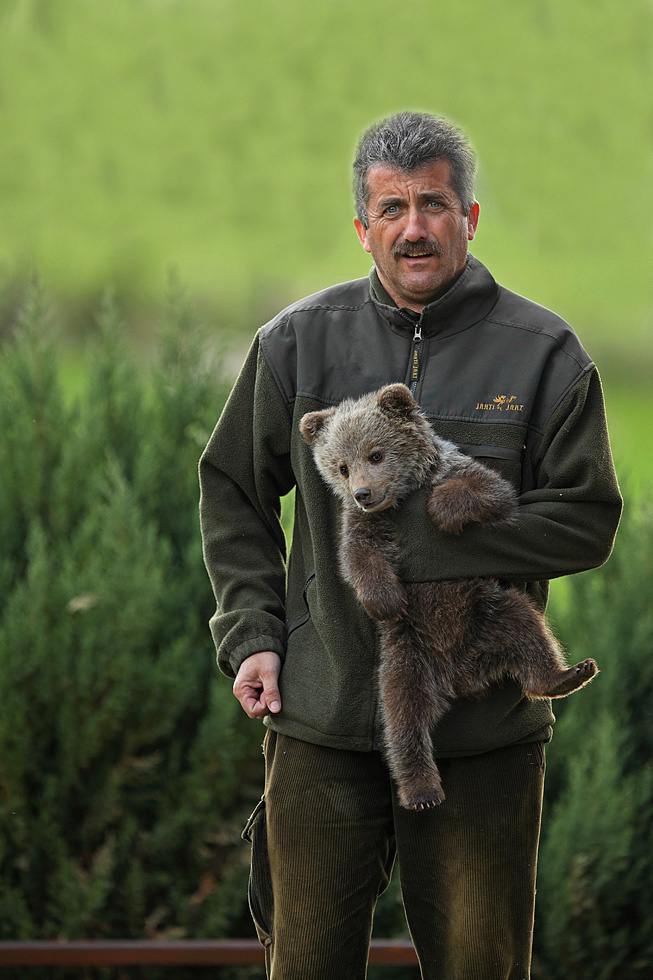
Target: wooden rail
{"x":187,"y":952}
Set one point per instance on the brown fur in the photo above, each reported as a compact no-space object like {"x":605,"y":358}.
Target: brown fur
{"x":438,"y":640}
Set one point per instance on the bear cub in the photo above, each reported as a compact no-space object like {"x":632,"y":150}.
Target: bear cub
{"x":437,"y":640}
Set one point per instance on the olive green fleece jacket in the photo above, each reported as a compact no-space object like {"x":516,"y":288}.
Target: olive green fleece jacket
{"x":505,"y":379}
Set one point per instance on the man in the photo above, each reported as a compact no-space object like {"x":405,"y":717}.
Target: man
{"x":509,"y":382}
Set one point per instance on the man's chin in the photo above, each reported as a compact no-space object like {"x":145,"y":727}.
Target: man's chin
{"x":421,"y":287}
{"x":415,"y":287}
{"x":422,"y":291}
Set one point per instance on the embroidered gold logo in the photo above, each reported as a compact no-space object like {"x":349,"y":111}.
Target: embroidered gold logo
{"x":502,"y":403}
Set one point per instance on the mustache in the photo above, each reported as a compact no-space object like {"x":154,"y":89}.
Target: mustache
{"x":415,"y":249}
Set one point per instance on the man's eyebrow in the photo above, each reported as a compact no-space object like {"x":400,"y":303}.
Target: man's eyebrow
{"x":383,"y":202}
{"x":434,"y":196}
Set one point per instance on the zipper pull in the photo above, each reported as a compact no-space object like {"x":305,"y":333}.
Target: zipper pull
{"x":414,"y":369}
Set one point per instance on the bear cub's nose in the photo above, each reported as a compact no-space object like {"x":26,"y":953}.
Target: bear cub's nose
{"x":362,"y":495}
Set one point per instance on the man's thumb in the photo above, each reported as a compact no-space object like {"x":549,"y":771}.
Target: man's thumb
{"x":272,"y":697}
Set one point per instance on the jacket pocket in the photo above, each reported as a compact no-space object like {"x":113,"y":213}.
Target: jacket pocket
{"x":259,"y":889}
{"x":507,"y":462}
{"x":304,"y":618}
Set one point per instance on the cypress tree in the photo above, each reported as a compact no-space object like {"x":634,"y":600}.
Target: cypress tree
{"x":595,"y":888}
{"x":127,"y":768}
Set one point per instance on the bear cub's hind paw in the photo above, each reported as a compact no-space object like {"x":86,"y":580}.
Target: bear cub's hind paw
{"x":424,"y":799}
{"x":575,"y":677}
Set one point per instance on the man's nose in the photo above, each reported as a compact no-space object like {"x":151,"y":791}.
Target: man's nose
{"x":416,"y":226}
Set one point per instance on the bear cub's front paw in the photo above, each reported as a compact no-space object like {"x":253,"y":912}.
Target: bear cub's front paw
{"x":387,"y":603}
{"x":465,"y":500}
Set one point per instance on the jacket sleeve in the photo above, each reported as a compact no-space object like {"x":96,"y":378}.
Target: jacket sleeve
{"x":568,"y":513}
{"x":244,"y":471}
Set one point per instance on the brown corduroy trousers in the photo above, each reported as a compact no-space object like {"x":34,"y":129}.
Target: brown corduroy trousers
{"x":324,"y":839}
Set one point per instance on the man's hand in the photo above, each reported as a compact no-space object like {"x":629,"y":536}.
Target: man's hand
{"x":257,"y":684}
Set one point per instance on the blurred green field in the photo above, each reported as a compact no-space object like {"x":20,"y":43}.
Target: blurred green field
{"x":215,"y":137}
{"x":630,"y":420}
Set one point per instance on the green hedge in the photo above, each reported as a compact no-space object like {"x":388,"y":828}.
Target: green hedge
{"x":127,"y":768}
{"x":595,"y":891}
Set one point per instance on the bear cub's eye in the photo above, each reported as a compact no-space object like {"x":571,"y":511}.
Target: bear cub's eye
{"x":376,"y":457}
{"x":344,"y":469}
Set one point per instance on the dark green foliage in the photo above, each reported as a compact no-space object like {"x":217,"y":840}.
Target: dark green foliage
{"x":127,"y":768}
{"x":596,"y":880}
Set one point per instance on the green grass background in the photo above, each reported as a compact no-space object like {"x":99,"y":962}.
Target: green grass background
{"x":215,"y":137}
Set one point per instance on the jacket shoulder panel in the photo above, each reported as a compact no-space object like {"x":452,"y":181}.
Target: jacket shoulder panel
{"x":343,"y":296}
{"x":513,"y":310}
{"x":330,"y":345}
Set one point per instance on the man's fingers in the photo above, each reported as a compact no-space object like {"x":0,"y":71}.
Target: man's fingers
{"x":250,"y":696}
{"x":253,"y":704}
{"x":256,"y":684}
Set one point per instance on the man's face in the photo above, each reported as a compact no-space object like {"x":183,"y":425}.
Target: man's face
{"x":417,"y":233}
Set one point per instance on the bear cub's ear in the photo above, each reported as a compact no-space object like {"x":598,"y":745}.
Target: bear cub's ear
{"x":397,"y":400}
{"x":312,"y":422}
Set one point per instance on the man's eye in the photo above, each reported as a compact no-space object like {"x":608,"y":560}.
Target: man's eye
{"x":391,"y":209}
{"x":436,"y":205}
{"x":376,"y":457}
{"x":344,"y":469}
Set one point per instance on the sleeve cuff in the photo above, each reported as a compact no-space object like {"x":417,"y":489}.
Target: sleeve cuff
{"x":229,"y":662}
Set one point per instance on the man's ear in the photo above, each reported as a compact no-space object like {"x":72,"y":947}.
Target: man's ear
{"x":472,"y":221}
{"x":397,"y":400}
{"x":361,"y":231}
{"x":311,"y":424}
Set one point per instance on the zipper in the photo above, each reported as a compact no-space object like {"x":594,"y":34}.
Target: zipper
{"x":415,"y":359}
{"x":296,"y":623}
{"x":415,"y":353}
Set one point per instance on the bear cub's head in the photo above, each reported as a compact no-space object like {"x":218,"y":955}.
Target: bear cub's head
{"x":372,"y":451}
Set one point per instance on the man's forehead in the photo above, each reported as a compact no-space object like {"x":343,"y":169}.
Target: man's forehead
{"x":386,"y":180}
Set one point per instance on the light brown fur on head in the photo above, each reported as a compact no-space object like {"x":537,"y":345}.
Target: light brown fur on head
{"x":372,"y":451}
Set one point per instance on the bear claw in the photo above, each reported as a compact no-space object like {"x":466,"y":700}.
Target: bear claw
{"x":421,"y":802}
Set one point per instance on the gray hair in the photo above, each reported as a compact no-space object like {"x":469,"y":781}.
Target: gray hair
{"x":409,"y":141}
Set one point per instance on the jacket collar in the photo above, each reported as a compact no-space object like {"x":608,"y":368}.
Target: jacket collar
{"x":469,"y":299}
